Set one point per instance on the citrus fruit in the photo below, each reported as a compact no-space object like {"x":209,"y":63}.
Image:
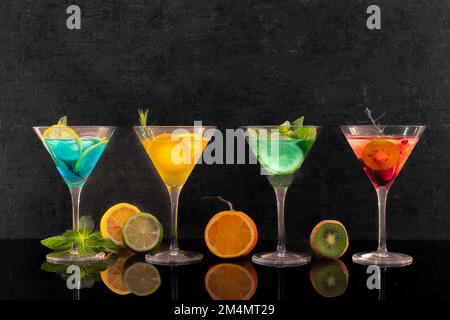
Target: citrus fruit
{"x":329,"y":239}
{"x":113,"y":219}
{"x":380,"y":154}
{"x":281,"y":156}
{"x":59,"y":131}
{"x":89,"y":158}
{"x":142,"y":232}
{"x":63,"y":142}
{"x":231,"y":281}
{"x":112,"y":277}
{"x":231,"y":234}
{"x":141,"y":279}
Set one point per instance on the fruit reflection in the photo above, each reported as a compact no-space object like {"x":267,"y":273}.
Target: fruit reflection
{"x":231,"y":281}
{"x":128,"y":273}
{"x":329,"y":277}
{"x":89,"y":273}
{"x":112,"y":277}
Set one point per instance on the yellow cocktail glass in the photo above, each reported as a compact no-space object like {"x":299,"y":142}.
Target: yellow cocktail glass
{"x":174,"y":152}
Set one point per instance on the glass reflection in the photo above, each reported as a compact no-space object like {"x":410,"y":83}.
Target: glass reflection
{"x":231,"y":281}
{"x":77,"y":277}
{"x":329,"y":277}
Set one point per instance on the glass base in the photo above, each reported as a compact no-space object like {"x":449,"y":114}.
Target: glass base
{"x":168,"y":258}
{"x":281,"y":259}
{"x":74,"y":258}
{"x":382,"y":259}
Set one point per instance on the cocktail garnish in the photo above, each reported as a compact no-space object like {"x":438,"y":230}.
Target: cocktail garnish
{"x":62,"y":121}
{"x":86,"y":240}
{"x":296,"y":130}
{"x":143,"y":116}
{"x":374,"y":121}
{"x":298,"y":122}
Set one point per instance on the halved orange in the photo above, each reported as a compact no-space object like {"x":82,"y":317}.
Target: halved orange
{"x":112,"y":277}
{"x":113,"y":220}
{"x":231,"y":234}
{"x":231,"y":281}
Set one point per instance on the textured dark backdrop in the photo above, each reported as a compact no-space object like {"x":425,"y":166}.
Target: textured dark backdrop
{"x":227,"y":63}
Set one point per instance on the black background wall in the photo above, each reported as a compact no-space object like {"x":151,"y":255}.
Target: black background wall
{"x":227,"y":63}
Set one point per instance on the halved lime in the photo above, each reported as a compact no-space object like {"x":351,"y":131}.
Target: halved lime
{"x":281,"y":156}
{"x":89,"y":158}
{"x":142,"y":232}
{"x":141,"y":279}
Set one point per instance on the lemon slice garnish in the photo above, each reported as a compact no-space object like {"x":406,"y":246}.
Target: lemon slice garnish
{"x":60,"y":131}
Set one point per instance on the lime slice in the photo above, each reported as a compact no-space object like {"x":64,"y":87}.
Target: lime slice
{"x":281,"y":156}
{"x":306,"y":133}
{"x":141,"y":279}
{"x":87,"y":142}
{"x":142,"y":232}
{"x":89,"y":158}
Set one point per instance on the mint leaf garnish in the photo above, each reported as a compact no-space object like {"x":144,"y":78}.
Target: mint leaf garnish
{"x":298,"y":122}
{"x":284,"y":128}
{"x":86,"y":224}
{"x":86,"y":240}
{"x":58,"y":243}
{"x":96,"y":243}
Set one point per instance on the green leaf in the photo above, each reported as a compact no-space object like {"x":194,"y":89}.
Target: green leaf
{"x":58,"y":243}
{"x":96,"y":267}
{"x":51,"y":267}
{"x":298,"y":122}
{"x":96,"y":243}
{"x":86,"y":240}
{"x":86,"y":224}
{"x":284,"y":128}
{"x":110,"y":246}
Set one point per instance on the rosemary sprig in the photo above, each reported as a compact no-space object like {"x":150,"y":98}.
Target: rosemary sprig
{"x":143,"y":116}
{"x":374,"y":121}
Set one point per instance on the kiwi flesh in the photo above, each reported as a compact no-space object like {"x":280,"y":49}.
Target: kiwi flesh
{"x":329,"y":277}
{"x":329,"y":239}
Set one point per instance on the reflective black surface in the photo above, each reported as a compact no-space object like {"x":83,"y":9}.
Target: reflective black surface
{"x":22,"y":277}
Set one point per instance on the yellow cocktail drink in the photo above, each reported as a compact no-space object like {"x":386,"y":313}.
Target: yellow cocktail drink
{"x":175,"y":155}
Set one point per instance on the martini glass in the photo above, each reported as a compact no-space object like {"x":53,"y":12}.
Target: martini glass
{"x":174,"y":152}
{"x":382,"y":151}
{"x":75,"y":151}
{"x":280,"y":158}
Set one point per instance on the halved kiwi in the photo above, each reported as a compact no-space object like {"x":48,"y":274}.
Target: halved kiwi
{"x":329,"y":239}
{"x":380,"y":154}
{"x":329,"y":277}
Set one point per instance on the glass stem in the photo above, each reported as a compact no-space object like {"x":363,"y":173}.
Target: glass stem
{"x":174,"y":193}
{"x":75,"y":192}
{"x":280,"y":192}
{"x":382,"y":193}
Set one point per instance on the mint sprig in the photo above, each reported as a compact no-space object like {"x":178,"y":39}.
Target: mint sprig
{"x":86,"y":239}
